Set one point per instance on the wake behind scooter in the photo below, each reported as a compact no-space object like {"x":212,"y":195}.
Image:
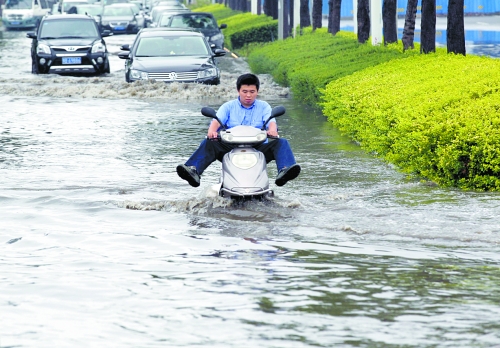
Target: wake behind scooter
{"x":244,"y":169}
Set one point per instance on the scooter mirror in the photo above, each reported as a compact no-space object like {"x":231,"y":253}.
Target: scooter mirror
{"x":209,"y":112}
{"x":277,"y":111}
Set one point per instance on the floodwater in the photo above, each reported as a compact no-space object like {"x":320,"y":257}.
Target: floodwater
{"x":102,"y":245}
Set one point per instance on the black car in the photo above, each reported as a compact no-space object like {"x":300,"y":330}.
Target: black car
{"x":68,"y":44}
{"x":171,"y":55}
{"x":121,"y":19}
{"x":204,"y":22}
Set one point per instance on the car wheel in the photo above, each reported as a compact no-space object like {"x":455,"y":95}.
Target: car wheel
{"x":127,"y":77}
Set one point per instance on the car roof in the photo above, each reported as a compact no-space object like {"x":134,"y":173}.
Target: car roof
{"x":169,"y":32}
{"x":68,"y":16}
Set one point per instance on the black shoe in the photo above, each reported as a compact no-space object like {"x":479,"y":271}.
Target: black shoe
{"x":189,"y":174}
{"x":287,"y":174}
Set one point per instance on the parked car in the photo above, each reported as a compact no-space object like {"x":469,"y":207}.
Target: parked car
{"x":171,"y":55}
{"x":68,"y":44}
{"x":201,"y":21}
{"x":121,"y":19}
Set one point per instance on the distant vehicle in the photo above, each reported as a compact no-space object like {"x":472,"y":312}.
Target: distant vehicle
{"x":157,"y":10}
{"x":121,"y":19}
{"x":167,"y":2}
{"x":93,"y":10}
{"x":68,"y":44}
{"x":67,"y":6}
{"x":22,"y":14}
{"x":201,"y":21}
{"x":171,"y":55}
{"x":164,"y":18}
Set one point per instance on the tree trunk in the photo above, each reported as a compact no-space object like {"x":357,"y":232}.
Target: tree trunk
{"x":390,"y":23}
{"x":455,"y":32}
{"x":305,"y":15}
{"x":409,"y":29}
{"x":317,"y":20}
{"x":428,"y":27}
{"x":363,"y":20}
{"x":271,"y":8}
{"x":334,"y":16}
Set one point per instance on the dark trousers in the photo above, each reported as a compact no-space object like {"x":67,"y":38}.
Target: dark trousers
{"x":210,"y":150}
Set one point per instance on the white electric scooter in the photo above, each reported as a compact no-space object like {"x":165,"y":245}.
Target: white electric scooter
{"x":244,"y":169}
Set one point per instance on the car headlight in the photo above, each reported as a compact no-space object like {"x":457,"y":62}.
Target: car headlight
{"x":98,"y":48}
{"x":138,"y":75}
{"x":42,"y":48}
{"x":105,"y":23}
{"x":217,"y":37}
{"x":134,"y":22}
{"x":207,"y":73}
{"x":244,"y":160}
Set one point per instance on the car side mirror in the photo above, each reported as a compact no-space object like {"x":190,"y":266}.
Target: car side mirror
{"x":106,"y":33}
{"x":124,"y":55}
{"x":31,"y":35}
{"x":223,"y":26}
{"x":219,"y":52}
{"x":125,"y":47}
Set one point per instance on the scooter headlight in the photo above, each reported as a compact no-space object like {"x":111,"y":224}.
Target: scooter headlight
{"x":227,"y":137}
{"x":244,"y":160}
{"x":261,"y":137}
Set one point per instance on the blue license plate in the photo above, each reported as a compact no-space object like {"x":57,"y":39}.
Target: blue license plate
{"x":119,"y":28}
{"x":72,"y":60}
{"x":15,"y":23}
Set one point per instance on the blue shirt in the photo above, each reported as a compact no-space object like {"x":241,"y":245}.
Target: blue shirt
{"x":233,"y":114}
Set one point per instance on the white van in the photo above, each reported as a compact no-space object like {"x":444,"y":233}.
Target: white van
{"x":24,"y":13}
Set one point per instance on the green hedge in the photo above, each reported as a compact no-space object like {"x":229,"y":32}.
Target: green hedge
{"x":435,"y":115}
{"x":245,"y":28}
{"x":218,"y":10}
{"x":310,"y":61}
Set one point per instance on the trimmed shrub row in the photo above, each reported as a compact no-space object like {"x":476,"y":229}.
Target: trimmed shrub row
{"x":435,"y":115}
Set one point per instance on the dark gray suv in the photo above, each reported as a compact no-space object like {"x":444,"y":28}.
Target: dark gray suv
{"x":69,"y":44}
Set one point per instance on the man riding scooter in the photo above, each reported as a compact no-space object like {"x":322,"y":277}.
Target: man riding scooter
{"x":245,"y":110}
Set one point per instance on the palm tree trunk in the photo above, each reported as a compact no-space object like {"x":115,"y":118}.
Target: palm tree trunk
{"x":390,"y":23}
{"x":305,"y":16}
{"x":334,"y":16}
{"x":455,"y":33}
{"x":428,"y":27}
{"x":317,"y":14}
{"x":409,"y":29}
{"x":363,"y":20}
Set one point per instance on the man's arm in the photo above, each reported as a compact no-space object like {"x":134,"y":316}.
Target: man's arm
{"x":212,"y":130}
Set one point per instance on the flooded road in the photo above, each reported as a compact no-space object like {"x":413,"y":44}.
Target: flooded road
{"x":102,"y":245}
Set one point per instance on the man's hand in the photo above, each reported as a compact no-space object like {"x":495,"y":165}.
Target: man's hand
{"x":272,"y":130}
{"x":212,"y":130}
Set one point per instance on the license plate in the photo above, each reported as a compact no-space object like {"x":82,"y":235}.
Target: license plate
{"x":15,"y":23}
{"x":72,"y":60}
{"x":119,"y":28}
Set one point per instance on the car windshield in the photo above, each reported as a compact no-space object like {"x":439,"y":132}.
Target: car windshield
{"x":18,"y":4}
{"x":194,"y":21}
{"x":112,"y":11}
{"x":68,"y":29}
{"x":171,"y":46}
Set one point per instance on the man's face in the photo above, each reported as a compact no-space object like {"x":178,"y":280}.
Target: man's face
{"x":247,"y":94}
